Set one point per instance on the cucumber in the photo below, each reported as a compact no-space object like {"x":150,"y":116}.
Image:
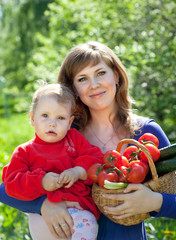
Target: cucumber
{"x":114,"y":185}
{"x":167,"y":152}
{"x":166,"y":165}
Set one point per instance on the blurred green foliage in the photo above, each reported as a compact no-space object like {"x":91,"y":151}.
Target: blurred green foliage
{"x":36,"y":36}
{"x":14,"y":131}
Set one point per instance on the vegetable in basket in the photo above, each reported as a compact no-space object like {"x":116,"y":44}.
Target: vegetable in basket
{"x":131,"y":167}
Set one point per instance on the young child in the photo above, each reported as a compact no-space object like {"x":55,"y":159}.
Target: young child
{"x":56,"y":160}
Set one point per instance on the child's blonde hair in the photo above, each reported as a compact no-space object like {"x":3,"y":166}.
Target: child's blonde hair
{"x":61,"y":92}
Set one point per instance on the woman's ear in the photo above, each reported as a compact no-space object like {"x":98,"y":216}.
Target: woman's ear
{"x":32,"y":118}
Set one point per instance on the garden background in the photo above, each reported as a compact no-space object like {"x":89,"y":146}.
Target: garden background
{"x":35,"y":37}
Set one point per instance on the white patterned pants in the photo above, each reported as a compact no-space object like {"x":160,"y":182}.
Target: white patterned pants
{"x":85,"y":226}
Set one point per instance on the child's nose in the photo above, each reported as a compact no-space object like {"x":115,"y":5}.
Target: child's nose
{"x":52,"y":123}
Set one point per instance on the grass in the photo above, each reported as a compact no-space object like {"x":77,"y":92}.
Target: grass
{"x":14,"y":131}
{"x":13,"y":223}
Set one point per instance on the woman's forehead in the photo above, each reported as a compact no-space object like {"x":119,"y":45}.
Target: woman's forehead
{"x":92,"y":67}
{"x":83,"y":63}
{"x":86,"y":60}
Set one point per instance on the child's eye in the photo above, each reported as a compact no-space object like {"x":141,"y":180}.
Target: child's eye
{"x":61,"y":118}
{"x":101,"y":73}
{"x":44,"y":115}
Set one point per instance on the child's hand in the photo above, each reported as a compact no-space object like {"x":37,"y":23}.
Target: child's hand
{"x":71,"y":175}
{"x":50,"y":181}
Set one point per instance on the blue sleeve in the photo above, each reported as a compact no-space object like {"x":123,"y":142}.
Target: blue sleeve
{"x":33,"y":206}
{"x":168,"y":208}
{"x":150,"y":126}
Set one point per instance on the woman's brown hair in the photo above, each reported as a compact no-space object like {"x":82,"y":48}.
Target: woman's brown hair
{"x":90,"y":54}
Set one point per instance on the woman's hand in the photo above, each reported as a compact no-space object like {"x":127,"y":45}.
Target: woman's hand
{"x":137,"y":199}
{"x":57,"y":217}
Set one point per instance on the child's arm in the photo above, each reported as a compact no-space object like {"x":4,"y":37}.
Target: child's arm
{"x":71,"y":175}
{"x":20,"y":179}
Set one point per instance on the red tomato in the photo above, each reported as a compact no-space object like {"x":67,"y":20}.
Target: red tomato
{"x":93,"y":171}
{"x":136,"y":172}
{"x":111,"y":156}
{"x":146,"y":166}
{"x":149,"y":137}
{"x":131,"y":153}
{"x":123,"y":163}
{"x":154,"y":152}
{"x":103,"y":175}
{"x":121,"y":178}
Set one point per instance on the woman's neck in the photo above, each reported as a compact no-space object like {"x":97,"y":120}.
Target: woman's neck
{"x":103,"y":130}
{"x":103,"y":118}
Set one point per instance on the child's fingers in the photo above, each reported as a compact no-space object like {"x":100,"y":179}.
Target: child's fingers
{"x":70,"y":184}
{"x":65,"y":179}
{"x":61,"y":178}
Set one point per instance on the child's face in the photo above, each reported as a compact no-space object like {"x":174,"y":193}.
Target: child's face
{"x":51,"y":119}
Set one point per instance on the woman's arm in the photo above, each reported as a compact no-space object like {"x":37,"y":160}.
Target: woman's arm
{"x":140,"y":199}
{"x":52,"y":213}
{"x":55,"y":214}
{"x":136,"y":199}
{"x":33,"y":206}
{"x":168,"y":208}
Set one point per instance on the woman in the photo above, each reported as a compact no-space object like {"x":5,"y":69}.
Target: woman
{"x":104,"y":117}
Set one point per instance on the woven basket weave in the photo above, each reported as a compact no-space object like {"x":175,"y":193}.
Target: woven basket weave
{"x":164,"y":184}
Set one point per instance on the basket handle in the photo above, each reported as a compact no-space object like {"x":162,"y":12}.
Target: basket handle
{"x":145,"y":150}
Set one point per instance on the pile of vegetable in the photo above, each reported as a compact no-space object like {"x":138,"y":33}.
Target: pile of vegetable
{"x":132,"y":167}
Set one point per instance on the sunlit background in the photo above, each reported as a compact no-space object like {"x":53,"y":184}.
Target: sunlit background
{"x":36,"y":35}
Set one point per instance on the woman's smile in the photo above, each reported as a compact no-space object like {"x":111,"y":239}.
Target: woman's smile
{"x":98,"y":95}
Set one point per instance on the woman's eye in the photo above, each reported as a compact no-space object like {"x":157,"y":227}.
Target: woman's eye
{"x":44,"y":115}
{"x":82,"y":79}
{"x":101,"y":73}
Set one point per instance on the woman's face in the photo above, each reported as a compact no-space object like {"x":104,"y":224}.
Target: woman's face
{"x":96,"y":86}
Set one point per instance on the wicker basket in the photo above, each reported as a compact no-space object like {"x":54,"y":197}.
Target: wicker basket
{"x":164,"y":184}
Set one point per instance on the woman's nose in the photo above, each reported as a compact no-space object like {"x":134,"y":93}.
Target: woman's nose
{"x":94,"y":82}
